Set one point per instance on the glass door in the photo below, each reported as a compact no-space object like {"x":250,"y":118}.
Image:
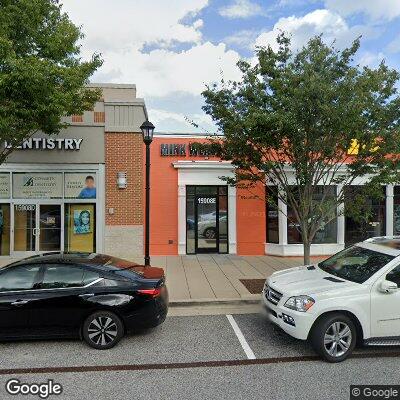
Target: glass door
{"x":37,"y":228}
{"x":207,"y":227}
{"x":25,"y":229}
{"x":49,"y":227}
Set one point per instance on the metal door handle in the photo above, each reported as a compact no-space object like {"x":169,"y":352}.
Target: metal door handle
{"x":19,"y":302}
{"x":86,"y":295}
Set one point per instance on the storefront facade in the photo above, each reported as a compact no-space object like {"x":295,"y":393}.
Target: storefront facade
{"x":64,"y":193}
{"x":194,"y":211}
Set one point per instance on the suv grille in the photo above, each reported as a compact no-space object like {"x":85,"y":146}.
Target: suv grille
{"x":272,"y":295}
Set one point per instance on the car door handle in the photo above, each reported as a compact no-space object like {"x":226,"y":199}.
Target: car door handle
{"x":86,"y":295}
{"x":19,"y":302}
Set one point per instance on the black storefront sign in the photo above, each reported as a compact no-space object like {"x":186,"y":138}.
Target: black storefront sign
{"x":193,"y":150}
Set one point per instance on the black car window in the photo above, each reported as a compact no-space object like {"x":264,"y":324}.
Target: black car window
{"x":394,"y":275}
{"x":21,"y":277}
{"x":114,"y":283}
{"x":89,"y":276}
{"x":62,"y":276}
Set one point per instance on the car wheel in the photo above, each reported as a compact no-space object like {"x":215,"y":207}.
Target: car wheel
{"x":334,"y":337}
{"x":102,"y":330}
{"x":209,"y":233}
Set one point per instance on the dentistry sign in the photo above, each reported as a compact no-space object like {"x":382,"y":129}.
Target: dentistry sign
{"x":48,"y":144}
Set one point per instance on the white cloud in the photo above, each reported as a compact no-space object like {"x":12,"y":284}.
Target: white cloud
{"x":375,"y":9}
{"x":240,"y":9}
{"x":370,"y":59}
{"x":162,"y":72}
{"x":330,"y":24}
{"x":244,"y":39}
{"x":126,"y":23}
{"x":141,"y":42}
{"x":394,"y":45}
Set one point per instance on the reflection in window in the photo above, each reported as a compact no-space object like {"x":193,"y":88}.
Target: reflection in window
{"x":21,"y":277}
{"x":396,"y":211}
{"x":372,"y":220}
{"x":60,"y":276}
{"x":4,"y":229}
{"x":190,"y":221}
{"x":272,"y":215}
{"x":327,"y":234}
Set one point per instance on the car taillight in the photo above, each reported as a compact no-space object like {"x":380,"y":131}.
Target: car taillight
{"x":150,"y":292}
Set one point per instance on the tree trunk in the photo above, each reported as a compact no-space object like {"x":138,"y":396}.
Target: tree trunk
{"x":307,"y":251}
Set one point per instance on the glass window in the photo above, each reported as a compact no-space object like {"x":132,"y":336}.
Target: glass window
{"x":370,"y":223}
{"x":394,"y":275}
{"x":80,"y":185}
{"x":355,"y":263}
{"x":396,"y":211}
{"x":190,"y":221}
{"x":80,"y":227}
{"x":21,"y":277}
{"x":223,"y":221}
{"x":4,"y":229}
{"x":327,"y":234}
{"x":62,"y":276}
{"x":272,"y":215}
{"x":37,"y":185}
{"x":89,"y":276}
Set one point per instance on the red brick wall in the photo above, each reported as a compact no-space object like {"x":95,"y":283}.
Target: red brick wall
{"x":124,"y":154}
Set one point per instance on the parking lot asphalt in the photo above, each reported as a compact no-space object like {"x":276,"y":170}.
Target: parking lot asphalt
{"x":196,"y":357}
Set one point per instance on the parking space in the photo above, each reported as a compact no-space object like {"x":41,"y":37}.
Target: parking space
{"x":202,"y":357}
{"x":186,"y":339}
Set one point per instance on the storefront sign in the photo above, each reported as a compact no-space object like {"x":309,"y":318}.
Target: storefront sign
{"x":80,"y":185}
{"x":47,"y":144}
{"x":4,"y":186}
{"x":195,"y":150}
{"x":37,"y":185}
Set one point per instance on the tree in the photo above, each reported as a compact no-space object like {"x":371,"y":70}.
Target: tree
{"x":306,"y":122}
{"x":42,"y":77}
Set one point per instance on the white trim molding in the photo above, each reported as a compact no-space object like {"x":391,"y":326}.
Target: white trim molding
{"x":204,"y":173}
{"x":328,"y":249}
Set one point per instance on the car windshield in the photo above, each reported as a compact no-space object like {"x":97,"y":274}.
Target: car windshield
{"x":355,"y":263}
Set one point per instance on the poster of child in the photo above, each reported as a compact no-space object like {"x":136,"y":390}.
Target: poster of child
{"x":89,"y":191}
{"x":82,"y":222}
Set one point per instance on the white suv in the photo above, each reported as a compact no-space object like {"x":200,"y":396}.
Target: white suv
{"x":352,"y":297}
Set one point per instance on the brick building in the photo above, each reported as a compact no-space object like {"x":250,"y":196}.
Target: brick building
{"x":68,"y":192}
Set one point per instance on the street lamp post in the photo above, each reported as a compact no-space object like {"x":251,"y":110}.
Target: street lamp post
{"x":147,"y":132}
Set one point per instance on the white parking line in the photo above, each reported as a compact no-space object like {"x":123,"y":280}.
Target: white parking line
{"x":249,"y":352}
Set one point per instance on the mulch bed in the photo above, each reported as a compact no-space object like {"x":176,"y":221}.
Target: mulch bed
{"x":254,"y":286}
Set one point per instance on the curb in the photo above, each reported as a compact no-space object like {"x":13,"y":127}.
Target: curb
{"x":213,"y":302}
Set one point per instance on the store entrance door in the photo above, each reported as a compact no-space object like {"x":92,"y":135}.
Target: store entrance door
{"x":36,"y":228}
{"x":207,"y":219}
{"x":206,"y":223}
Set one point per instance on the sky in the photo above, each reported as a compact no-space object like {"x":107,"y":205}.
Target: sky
{"x":171,"y":49}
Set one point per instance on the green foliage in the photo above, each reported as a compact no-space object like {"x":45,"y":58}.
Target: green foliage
{"x":294,"y":116}
{"x":42,"y":77}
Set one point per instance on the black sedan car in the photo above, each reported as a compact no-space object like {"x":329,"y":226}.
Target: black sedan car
{"x":92,"y":296}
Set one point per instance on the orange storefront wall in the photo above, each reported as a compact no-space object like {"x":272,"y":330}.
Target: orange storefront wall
{"x":250,"y":210}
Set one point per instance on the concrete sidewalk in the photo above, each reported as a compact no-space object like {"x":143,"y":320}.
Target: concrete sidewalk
{"x":214,"y":278}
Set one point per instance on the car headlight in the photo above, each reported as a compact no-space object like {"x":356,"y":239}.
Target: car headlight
{"x":300,"y":303}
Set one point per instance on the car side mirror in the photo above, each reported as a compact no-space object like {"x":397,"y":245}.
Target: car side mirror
{"x":388,"y":287}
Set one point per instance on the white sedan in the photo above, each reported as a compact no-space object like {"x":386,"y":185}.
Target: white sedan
{"x":352,"y":297}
